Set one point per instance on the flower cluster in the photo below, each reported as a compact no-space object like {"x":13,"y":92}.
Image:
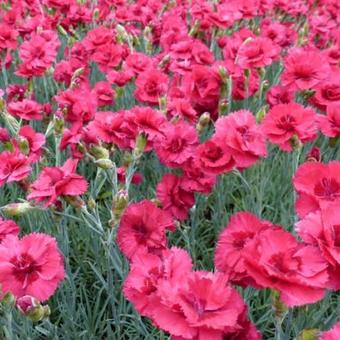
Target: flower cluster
{"x":91,"y":91}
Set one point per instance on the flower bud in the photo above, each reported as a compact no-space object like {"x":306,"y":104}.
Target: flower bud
{"x":309,"y":334}
{"x":141,"y":142}
{"x":203,"y":121}
{"x":24,"y":146}
{"x":314,"y":155}
{"x":74,"y":201}
{"x":119,"y":203}
{"x":261,"y":113}
{"x":8,"y":300}
{"x":99,"y":152}
{"x":58,"y":126}
{"x":295,"y":143}
{"x":31,"y":307}
{"x":18,"y":209}
{"x":104,"y":163}
{"x":278,"y":306}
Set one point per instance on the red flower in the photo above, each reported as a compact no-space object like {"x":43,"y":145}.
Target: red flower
{"x":322,"y":229}
{"x":316,"y":182}
{"x":280,"y":95}
{"x":8,"y":37}
{"x":14,"y":166}
{"x":38,"y":53}
{"x":274,"y":259}
{"x":148,"y":121}
{"x":142,"y":229}
{"x":173,"y":196}
{"x":150,"y":86}
{"x":147,"y":271}
{"x":330,"y":124}
{"x":242,"y":136}
{"x":258,"y":52}
{"x":35,"y":142}
{"x":195,"y":179}
{"x":328,"y":92}
{"x":26,"y":109}
{"x":202,"y":306}
{"x":177,"y":144}
{"x":215,"y":156}
{"x":54,"y":182}
{"x":8,"y":227}
{"x":332,"y":334}
{"x":202,"y":86}
{"x":304,"y":69}
{"x":104,"y":93}
{"x":285,"y":121}
{"x":31,"y":266}
{"x":242,"y":228}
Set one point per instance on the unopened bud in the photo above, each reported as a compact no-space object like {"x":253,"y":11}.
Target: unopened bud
{"x":261,"y":113}
{"x":31,"y":307}
{"x":58,"y":126}
{"x":104,"y":163}
{"x":203,"y":121}
{"x":141,"y":142}
{"x":295,"y":143}
{"x":18,"y":209}
{"x":62,"y":31}
{"x":99,"y":152}
{"x":74,"y":201}
{"x":8,"y":300}
{"x":119,"y":204}
{"x":24,"y":146}
{"x":309,"y":334}
{"x":278,"y":306}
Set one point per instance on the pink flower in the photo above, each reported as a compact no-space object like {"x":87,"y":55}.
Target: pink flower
{"x":54,"y":182}
{"x":142,"y":229}
{"x":147,"y":271}
{"x":8,"y":227}
{"x":174,"y":197}
{"x":332,"y":334}
{"x":304,"y":69}
{"x":177,"y":144}
{"x":215,"y":156}
{"x":274,"y":259}
{"x":200,"y":306}
{"x":330,"y":124}
{"x":242,"y":228}
{"x":35,"y":142}
{"x":285,"y":121}
{"x":26,"y":109}
{"x":243,"y":137}
{"x":31,"y":266}
{"x":14,"y":166}
{"x":316,"y":182}
{"x":258,"y":52}
{"x":322,"y":229}
{"x":150,"y":86}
